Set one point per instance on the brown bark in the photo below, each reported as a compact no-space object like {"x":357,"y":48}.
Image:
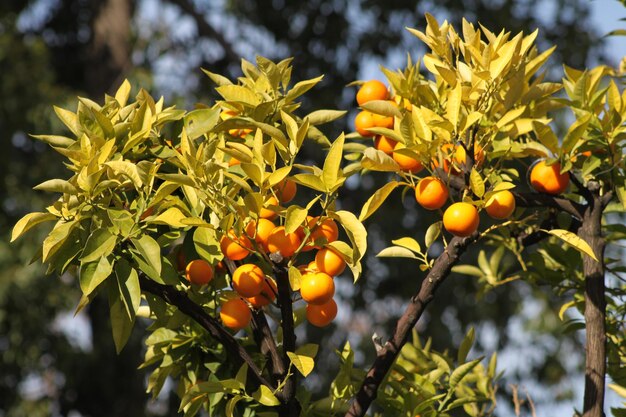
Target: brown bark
{"x":108,"y":56}
{"x":386,"y":356}
{"x":595,"y":310}
{"x":289,"y":406}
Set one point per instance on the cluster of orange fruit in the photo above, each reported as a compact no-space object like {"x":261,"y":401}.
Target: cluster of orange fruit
{"x":461,"y":218}
{"x":255,"y":288}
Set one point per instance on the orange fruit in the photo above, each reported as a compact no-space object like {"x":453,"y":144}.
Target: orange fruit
{"x":266,"y":296}
{"x":383,"y":121}
{"x":233,"y":161}
{"x":286,"y":190}
{"x":317,"y":288}
{"x":321,"y":315}
{"x":405,"y":162}
{"x":235,"y":314}
{"x":326,"y":229}
{"x":248,"y":280}
{"x":363,"y":121}
{"x":221,"y":268}
{"x":260,"y":231}
{"x":285,"y":243}
{"x":371,"y":90}
{"x":383,"y":143}
{"x":460,"y":156}
{"x":461,"y":219}
{"x":199,"y":272}
{"x":266,"y":212}
{"x":431,"y":193}
{"x":312,"y":267}
{"x":548,"y":179}
{"x":329,"y":261}
{"x":235,"y":248}
{"x":500,"y":205}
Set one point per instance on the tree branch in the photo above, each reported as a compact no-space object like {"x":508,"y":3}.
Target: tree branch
{"x":386,"y":356}
{"x":180,"y":300}
{"x":595,"y":308}
{"x":290,"y":406}
{"x":545,"y":200}
{"x":267,"y":345}
{"x":206,"y":30}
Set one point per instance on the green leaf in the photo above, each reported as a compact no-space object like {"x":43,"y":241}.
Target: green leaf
{"x":129,"y":290}
{"x":476,"y":183}
{"x":121,"y":322}
{"x":150,"y":251}
{"x":70,"y":120}
{"x":573,"y":240}
{"x":200,"y":121}
{"x":319,"y":117}
{"x":355,"y":231}
{"x":432,"y":233}
{"x":171,"y":217}
{"x":382,"y":107}
{"x":332,"y":165}
{"x":56,"y":238}
{"x":294,"y":218}
{"x":301,"y":87}
{"x":468,"y":270}
{"x":217,"y":78}
{"x":207,"y":245}
{"x":453,"y":106}
{"x":230,"y":405}
{"x":304,"y":364}
{"x":310,"y":180}
{"x":461,"y":372}
{"x":377,"y":199}
{"x":239,"y":94}
{"x":575,"y":133}
{"x":56,"y":186}
{"x":409,"y":243}
{"x":242,"y":374}
{"x":466,"y":345}
{"x":53,"y":140}
{"x":396,"y":252}
{"x":127,"y":169}
{"x":566,"y":307}
{"x":510,"y":116}
{"x":100,"y":243}
{"x":28,"y":221}
{"x":122,"y":93}
{"x":265,"y":396}
{"x":621,"y":391}
{"x":378,"y":161}
{"x":93,"y":274}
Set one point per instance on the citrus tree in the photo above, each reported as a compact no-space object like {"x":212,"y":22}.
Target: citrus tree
{"x":210,"y":225}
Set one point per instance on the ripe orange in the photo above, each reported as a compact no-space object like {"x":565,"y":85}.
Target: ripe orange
{"x":321,"y":315}
{"x":383,"y":121}
{"x":383,"y":143}
{"x":235,"y":248}
{"x":285,"y":243}
{"x":431,"y":193}
{"x":371,"y":90}
{"x":248,"y":280}
{"x":461,"y":219}
{"x":460,"y":156}
{"x":260,"y":231}
{"x":266,"y":212}
{"x":500,"y":205}
{"x":326,"y":229}
{"x":317,"y":288}
{"x":235,"y":314}
{"x":233,"y":161}
{"x":199,"y":272}
{"x":548,"y":179}
{"x":330,"y":262}
{"x":286,"y":190}
{"x":267,"y":295}
{"x":406,"y":163}
{"x":363,"y":121}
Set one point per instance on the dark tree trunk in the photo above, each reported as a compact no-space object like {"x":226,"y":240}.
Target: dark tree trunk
{"x":108,"y":55}
{"x":595,"y":311}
